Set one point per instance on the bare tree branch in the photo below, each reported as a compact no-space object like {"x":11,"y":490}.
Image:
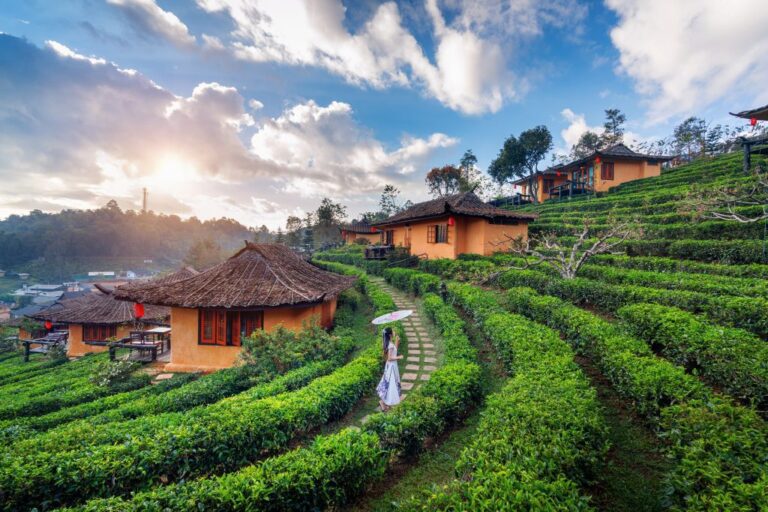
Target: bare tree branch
{"x":722,"y":203}
{"x":566,"y":259}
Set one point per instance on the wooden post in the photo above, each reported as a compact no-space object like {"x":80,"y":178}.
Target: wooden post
{"x":747,"y":155}
{"x":112,"y":354}
{"x":26,"y":351}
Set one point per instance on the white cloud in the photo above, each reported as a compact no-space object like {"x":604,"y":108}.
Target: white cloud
{"x":577,"y":126}
{"x":685,"y":55}
{"x":517,"y":17}
{"x":255,"y":104}
{"x":149,"y":19}
{"x":78,"y":131}
{"x":324,"y":151}
{"x":468,"y":71}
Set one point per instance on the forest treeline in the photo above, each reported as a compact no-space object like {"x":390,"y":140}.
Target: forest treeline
{"x":73,"y":241}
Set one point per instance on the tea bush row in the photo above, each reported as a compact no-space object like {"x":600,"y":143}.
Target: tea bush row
{"x":731,"y":359}
{"x":718,"y":448}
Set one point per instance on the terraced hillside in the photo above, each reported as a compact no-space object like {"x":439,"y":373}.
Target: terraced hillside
{"x":640,"y":384}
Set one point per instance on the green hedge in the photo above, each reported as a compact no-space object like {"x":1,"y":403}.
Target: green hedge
{"x":745,"y":312}
{"x":718,"y":448}
{"x":539,"y":437}
{"x":731,"y":359}
{"x":659,"y":264}
{"x":217,"y":440}
{"x":705,"y":283}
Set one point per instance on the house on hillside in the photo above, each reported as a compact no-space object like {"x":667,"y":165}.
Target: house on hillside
{"x":753,"y":145}
{"x":596,"y":172}
{"x":94,"y":317}
{"x":452,"y":225}
{"x":357,"y":230}
{"x":260,"y":287}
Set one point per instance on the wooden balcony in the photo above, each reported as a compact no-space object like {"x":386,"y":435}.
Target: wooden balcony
{"x":570,"y":188}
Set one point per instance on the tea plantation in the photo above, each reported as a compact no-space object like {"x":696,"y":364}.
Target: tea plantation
{"x":641,"y":384}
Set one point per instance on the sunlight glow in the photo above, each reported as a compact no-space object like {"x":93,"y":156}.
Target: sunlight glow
{"x":171,"y":172}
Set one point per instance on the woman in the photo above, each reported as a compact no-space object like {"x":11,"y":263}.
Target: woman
{"x":386,"y":337}
{"x":389,"y":385}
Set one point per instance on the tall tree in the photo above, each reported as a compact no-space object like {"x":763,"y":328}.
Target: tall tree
{"x":588,"y":143}
{"x":443,"y":181}
{"x":690,"y":137}
{"x":280,"y":236}
{"x":472,"y":179}
{"x":613,"y":128}
{"x":263,"y":235}
{"x":329,"y":216}
{"x":520,"y":156}
{"x":390,"y":204}
{"x":308,"y":240}
{"x":293,"y":227}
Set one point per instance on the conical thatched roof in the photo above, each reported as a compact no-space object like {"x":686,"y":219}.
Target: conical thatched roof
{"x":259,"y":275}
{"x":97,"y":308}
{"x":166,"y":279}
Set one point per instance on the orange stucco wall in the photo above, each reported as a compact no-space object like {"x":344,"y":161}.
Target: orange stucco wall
{"x":541,"y":193}
{"x":77,"y":348}
{"x":187,"y":355}
{"x":350,"y":238}
{"x":468,"y":235}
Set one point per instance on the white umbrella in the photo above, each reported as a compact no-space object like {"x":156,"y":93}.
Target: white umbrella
{"x":392,"y":317}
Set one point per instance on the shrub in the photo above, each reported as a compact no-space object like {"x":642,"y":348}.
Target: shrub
{"x":732,"y":359}
{"x":111,"y":374}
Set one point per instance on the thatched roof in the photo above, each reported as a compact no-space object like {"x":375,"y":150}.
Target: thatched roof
{"x":760,"y":113}
{"x":466,"y":203}
{"x":258,"y":276}
{"x":166,"y":279}
{"x":97,"y":308}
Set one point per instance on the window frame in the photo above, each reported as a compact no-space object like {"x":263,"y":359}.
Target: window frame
{"x":226,"y":327}
{"x":605,"y":175}
{"x":101,"y":331}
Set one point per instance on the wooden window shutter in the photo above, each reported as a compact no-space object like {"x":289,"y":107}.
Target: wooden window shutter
{"x":221,"y":327}
{"x":431,"y":235}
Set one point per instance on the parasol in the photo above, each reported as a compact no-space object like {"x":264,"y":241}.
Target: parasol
{"x":392,"y":317}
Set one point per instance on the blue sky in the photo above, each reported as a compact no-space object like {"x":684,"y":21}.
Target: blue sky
{"x":256,"y":110}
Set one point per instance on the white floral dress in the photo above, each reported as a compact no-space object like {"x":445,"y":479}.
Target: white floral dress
{"x":389,"y":385}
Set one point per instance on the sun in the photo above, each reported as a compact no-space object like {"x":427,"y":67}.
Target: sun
{"x":171,"y":171}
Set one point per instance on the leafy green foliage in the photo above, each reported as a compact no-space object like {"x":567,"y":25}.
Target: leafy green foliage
{"x":114,"y":374}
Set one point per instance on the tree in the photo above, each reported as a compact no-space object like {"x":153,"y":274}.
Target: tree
{"x":263,"y":235}
{"x":588,"y":143}
{"x":613,"y":128}
{"x":565,"y":259}
{"x":690,"y":137}
{"x":520,"y":156}
{"x":293,"y":227}
{"x":443,"y":181}
{"x":389,"y":204}
{"x":329,"y":216}
{"x":308,"y":241}
{"x":204,"y":254}
{"x":280,"y":236}
{"x":471,"y":178}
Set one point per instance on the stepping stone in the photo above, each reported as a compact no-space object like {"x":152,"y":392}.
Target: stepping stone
{"x":402,"y":397}
{"x":429,"y":345}
{"x":409,"y":376}
{"x":429,"y":368}
{"x":415,"y":352}
{"x":430,"y":360}
{"x":425,"y":376}
{"x":164,"y":376}
{"x":412,"y":367}
{"x":365,"y":419}
{"x":430,"y":353}
{"x":413,"y":360}
{"x":406,"y":385}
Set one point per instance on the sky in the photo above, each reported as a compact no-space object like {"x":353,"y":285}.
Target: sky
{"x":257,"y":109}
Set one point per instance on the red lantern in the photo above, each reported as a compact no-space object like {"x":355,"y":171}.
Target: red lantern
{"x":451,"y":221}
{"x":597,"y":159}
{"x":559,"y":174}
{"x":138,"y":310}
{"x":48,"y":325}
{"x":373,"y":230}
{"x":753,"y":121}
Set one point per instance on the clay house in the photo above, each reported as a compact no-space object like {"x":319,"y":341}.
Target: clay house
{"x":260,"y":287}
{"x":358,"y":232}
{"x":452,"y":225}
{"x":596,"y":172}
{"x":94,"y":318}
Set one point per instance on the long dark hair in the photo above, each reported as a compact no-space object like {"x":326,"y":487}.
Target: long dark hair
{"x":386,"y":338}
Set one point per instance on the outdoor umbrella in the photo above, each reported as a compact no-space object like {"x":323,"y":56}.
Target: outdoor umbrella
{"x":392,"y":317}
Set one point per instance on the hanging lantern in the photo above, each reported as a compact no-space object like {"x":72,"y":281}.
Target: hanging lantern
{"x":559,"y":174}
{"x":753,"y":121}
{"x":451,"y":221}
{"x":373,"y":229}
{"x":138,"y":310}
{"x":597,"y":159}
{"x":48,"y":325}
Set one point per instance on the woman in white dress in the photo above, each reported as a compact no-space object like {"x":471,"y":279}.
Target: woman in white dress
{"x":389,"y":385}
